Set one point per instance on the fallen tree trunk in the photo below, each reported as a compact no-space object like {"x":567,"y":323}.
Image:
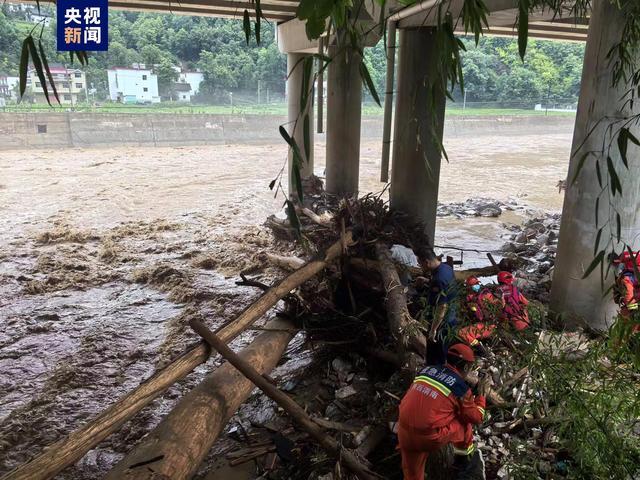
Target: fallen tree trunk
{"x":73,"y":447}
{"x":404,"y":328}
{"x":296,"y":412}
{"x":182,"y":440}
{"x":460,"y":275}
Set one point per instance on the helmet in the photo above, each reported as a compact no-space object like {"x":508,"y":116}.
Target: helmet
{"x":628,"y":259}
{"x":472,"y":281}
{"x":460,"y":350}
{"x":505,"y":278}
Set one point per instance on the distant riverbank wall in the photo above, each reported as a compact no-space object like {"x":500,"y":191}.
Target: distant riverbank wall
{"x":71,"y":129}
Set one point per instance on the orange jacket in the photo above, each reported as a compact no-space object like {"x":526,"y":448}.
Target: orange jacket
{"x":627,"y":291}
{"x":482,"y":306}
{"x":437,"y":397}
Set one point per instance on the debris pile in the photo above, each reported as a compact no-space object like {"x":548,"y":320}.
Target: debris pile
{"x":534,"y":244}
{"x":355,"y":383}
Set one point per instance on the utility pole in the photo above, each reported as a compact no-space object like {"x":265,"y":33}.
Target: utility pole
{"x":259,"y":92}
{"x":546,"y":111}
{"x":464,"y":100}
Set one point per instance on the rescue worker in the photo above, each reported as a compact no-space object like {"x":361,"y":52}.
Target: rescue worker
{"x":481,"y":308}
{"x":627,"y":291}
{"x":439,"y":408}
{"x":441,"y":305}
{"x":514,"y":304}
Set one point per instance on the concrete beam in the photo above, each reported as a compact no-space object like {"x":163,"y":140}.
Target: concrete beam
{"x":415,"y":173}
{"x":292,"y":38}
{"x":344,"y":111}
{"x":599,"y":110}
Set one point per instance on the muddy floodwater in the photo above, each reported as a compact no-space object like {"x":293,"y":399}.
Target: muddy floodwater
{"x":105,"y":253}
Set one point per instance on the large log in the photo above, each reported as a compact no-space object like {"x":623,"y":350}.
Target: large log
{"x":460,"y":275}
{"x":296,"y":412}
{"x":184,"y":437}
{"x":72,"y":448}
{"x":404,"y":328}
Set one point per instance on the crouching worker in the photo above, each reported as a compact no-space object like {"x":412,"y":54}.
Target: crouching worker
{"x":439,"y":409}
{"x":627,"y":291}
{"x":514,"y":302}
{"x":480,"y":314}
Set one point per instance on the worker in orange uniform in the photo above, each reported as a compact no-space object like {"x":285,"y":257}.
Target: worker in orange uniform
{"x":439,"y":409}
{"x":514,"y":304}
{"x":481,"y":309}
{"x":627,"y":291}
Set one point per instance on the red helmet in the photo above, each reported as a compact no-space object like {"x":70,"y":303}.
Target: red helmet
{"x":460,"y":350}
{"x":628,"y":259}
{"x":505,"y":278}
{"x":472,"y":281}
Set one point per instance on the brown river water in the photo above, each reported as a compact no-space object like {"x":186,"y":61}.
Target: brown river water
{"x":104,"y":253}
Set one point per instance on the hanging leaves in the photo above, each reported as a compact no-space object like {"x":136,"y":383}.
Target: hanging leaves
{"x":307,"y":137}
{"x":523,"y":27}
{"x":307,"y":73}
{"x":294,"y":221}
{"x":474,"y":17}
{"x":317,"y":13}
{"x":297,"y":161}
{"x":614,"y":180}
{"x":246,"y":25}
{"x":366,"y":79}
{"x":594,"y":264}
{"x":24,"y":66}
{"x":259,"y":16}
{"x":48,"y":71}
{"x":41,"y":66}
{"x":82,"y":56}
{"x":596,"y":244}
{"x":581,"y":163}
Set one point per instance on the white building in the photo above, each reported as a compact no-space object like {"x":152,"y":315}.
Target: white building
{"x":13,"y":83}
{"x":133,"y":85}
{"x":191,"y":78}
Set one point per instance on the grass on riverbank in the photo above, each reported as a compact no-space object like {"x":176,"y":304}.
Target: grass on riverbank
{"x":266,"y":109}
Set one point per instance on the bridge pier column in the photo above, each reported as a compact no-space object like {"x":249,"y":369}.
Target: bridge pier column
{"x":296,"y":114}
{"x":599,"y":110}
{"x":415,"y":174}
{"x":344,"y":111}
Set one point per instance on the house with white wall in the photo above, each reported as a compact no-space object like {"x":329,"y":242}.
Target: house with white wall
{"x":133,"y":85}
{"x":191,"y":78}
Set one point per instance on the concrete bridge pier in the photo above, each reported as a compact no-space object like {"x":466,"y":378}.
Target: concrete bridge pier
{"x":344,"y":111}
{"x":296,"y":115}
{"x":415,"y":174}
{"x":579,"y":300}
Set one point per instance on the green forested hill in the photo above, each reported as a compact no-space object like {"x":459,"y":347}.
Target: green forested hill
{"x":493,"y":71}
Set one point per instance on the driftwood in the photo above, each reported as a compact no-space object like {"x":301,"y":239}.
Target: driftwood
{"x":286,"y":263}
{"x":404,"y":329}
{"x":184,"y":437}
{"x":460,"y":275}
{"x":72,"y":448}
{"x":324,"y":220}
{"x":296,"y":412}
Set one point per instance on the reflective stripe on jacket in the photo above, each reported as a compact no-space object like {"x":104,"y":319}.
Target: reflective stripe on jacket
{"x":437,"y":396}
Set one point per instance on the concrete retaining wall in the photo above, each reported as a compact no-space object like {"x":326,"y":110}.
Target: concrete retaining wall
{"x":27,"y":130}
